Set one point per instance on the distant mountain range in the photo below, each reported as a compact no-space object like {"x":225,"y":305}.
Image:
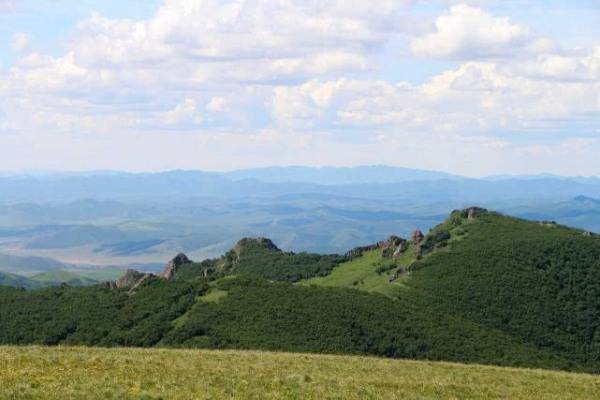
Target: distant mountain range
{"x":371,"y":182}
{"x":123,"y":219}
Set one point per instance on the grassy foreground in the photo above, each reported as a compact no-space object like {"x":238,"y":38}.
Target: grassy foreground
{"x":95,"y":373}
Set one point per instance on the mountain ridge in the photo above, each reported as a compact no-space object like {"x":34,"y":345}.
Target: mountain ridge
{"x":480,"y":287}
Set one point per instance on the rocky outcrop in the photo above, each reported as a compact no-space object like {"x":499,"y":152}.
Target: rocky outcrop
{"x":173,"y":266}
{"x":392,"y":247}
{"x":474,"y":212}
{"x":588,"y":234}
{"x":417,"y":236}
{"x":401,"y":270}
{"x":402,"y":247}
{"x":131,"y":280}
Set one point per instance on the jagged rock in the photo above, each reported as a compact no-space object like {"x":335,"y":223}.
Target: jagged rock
{"x":110,"y":285}
{"x":588,"y":234}
{"x":474,"y":212}
{"x":358,"y":251}
{"x":392,"y":247}
{"x":402,"y":247}
{"x":391,"y":242}
{"x":172,"y":266}
{"x":140,"y":282}
{"x":417,"y":236}
{"x":131,"y":280}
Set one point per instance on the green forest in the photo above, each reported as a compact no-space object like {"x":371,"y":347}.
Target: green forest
{"x":479,"y":288}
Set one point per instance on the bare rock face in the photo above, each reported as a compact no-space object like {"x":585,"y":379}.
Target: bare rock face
{"x":392,"y":242}
{"x":131,"y":280}
{"x":172,"y":266}
{"x":417,"y":236}
{"x":392,"y":247}
{"x":402,"y":247}
{"x":474,"y":212}
{"x":588,"y":234}
{"x":110,"y":285}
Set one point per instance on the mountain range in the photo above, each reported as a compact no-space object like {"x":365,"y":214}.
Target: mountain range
{"x":479,"y":287}
{"x":116,"y":220}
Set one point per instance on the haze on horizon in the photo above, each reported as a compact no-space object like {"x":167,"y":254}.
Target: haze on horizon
{"x":473,"y":88}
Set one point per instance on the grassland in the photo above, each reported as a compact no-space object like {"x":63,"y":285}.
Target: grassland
{"x":95,"y":373}
{"x":362,"y":273}
{"x":62,"y":275}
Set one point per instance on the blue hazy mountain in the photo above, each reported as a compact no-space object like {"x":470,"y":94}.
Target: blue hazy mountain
{"x":377,"y":182}
{"x":375,"y":174}
{"x":116,"y":218}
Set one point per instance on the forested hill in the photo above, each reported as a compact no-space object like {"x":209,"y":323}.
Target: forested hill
{"x":480,"y":287}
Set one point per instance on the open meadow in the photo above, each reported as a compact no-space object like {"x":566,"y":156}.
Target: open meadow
{"x":124,"y":373}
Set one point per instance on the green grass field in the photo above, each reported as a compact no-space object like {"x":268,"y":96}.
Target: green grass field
{"x":124,"y":373}
{"x":361,"y":273}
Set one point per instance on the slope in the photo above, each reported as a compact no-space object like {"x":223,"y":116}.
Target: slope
{"x":87,"y":373}
{"x":538,"y":282}
{"x":60,"y":276}
{"x":480,"y":287}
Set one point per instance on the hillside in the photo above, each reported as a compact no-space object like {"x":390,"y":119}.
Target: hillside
{"x":7,"y":279}
{"x":88,"y":373}
{"x":259,"y":258}
{"x":62,"y":276}
{"x":480,"y":287}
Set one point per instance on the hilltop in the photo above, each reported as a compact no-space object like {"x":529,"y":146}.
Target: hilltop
{"x":480,"y":287}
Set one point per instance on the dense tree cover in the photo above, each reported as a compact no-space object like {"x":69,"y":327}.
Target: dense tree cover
{"x":260,"y":258}
{"x":290,"y":267}
{"x":489,"y":289}
{"x":281,"y":316}
{"x":539,"y":283}
{"x":94,"y":315}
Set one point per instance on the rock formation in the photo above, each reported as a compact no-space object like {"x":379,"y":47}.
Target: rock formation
{"x":474,"y":212}
{"x":392,"y":247}
{"x":172,"y":266}
{"x":417,"y":236}
{"x":131,"y":280}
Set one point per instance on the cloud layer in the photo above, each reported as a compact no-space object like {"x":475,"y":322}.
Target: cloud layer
{"x":295,"y":81}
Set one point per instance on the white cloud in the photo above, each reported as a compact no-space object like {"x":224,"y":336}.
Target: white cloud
{"x":7,"y":5}
{"x":185,"y":112}
{"x":296,"y":82}
{"x":290,"y":38}
{"x":471,"y":33}
{"x":218,"y":104}
{"x":580,"y":66}
{"x":20,"y":41}
{"x":476,"y":97}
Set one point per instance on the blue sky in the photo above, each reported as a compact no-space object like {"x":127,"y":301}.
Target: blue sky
{"x":477,"y":88}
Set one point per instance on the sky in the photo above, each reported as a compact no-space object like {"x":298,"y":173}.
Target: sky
{"x":474,"y":88}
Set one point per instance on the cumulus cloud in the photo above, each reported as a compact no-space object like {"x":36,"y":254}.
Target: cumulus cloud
{"x":20,"y":41}
{"x":185,"y":112}
{"x":285,"y":38}
{"x":471,"y":33}
{"x":477,"y":97}
{"x":296,"y":79}
{"x":579,"y":66}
